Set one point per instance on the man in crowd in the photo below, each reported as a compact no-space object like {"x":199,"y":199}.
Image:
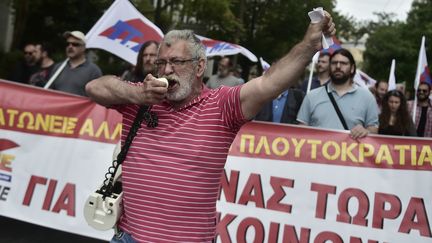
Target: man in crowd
{"x":24,"y":69}
{"x":323,"y":72}
{"x":379,"y":90}
{"x":145,"y":62}
{"x":283,"y":109}
{"x":78,"y":70}
{"x":423,"y":118}
{"x":223,"y":76}
{"x":237,"y":72}
{"x":46,"y":65}
{"x":171,"y":175}
{"x":357,"y":105}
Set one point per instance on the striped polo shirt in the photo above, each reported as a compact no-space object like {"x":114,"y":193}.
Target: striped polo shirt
{"x":171,"y":175}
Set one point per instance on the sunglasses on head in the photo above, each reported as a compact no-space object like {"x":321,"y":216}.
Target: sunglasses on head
{"x":396,"y":93}
{"x":74,"y":44}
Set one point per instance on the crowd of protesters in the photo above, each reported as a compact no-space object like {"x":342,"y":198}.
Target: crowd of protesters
{"x":393,"y":113}
{"x":71,"y":75}
{"x":193,"y":114}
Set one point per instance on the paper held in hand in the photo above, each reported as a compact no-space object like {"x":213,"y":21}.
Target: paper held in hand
{"x":316,"y":16}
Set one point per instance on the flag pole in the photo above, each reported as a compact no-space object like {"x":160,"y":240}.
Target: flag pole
{"x":311,"y":69}
{"x":56,"y":74}
{"x":417,"y":77}
{"x":392,"y":77}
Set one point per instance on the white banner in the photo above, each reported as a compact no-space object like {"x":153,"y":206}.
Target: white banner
{"x":55,"y":149}
{"x":296,"y":184}
{"x":282,"y":183}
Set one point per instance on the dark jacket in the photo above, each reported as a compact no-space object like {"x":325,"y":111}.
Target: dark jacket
{"x":289,"y":114}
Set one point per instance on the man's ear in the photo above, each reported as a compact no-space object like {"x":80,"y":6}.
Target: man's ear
{"x":201,"y":67}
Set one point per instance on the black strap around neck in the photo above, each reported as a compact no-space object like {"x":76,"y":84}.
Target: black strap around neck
{"x":140,"y":116}
{"x":336,"y":107}
{"x":152,"y":121}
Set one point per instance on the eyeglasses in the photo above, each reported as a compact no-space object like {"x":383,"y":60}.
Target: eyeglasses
{"x":160,"y":63}
{"x":28,"y":53}
{"x":422,"y":90}
{"x":74,"y":44}
{"x":335,"y":63}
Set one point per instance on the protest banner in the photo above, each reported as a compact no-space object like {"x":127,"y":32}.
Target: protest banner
{"x":285,"y":183}
{"x":54,"y":151}
{"x":282,"y":183}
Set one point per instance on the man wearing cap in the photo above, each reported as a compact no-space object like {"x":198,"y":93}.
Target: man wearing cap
{"x":78,"y":70}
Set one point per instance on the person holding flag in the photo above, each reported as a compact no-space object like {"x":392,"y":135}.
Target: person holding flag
{"x":420,"y":108}
{"x":423,"y":108}
{"x":323,"y":72}
{"x":78,"y":69}
{"x":171,"y":175}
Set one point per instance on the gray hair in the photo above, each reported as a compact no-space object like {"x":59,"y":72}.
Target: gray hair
{"x":196,"y":48}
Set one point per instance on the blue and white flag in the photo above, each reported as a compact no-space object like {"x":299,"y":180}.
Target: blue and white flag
{"x":222,"y":48}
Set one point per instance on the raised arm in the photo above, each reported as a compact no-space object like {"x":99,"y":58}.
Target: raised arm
{"x":285,"y":73}
{"x":111,"y":90}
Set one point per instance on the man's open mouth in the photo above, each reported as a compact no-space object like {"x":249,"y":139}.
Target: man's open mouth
{"x":171,"y":83}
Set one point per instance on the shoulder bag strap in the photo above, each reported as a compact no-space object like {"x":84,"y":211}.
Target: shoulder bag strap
{"x":336,"y":107}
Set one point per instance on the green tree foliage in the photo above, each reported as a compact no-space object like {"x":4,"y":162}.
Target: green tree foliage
{"x":47,"y":20}
{"x":255,"y":24}
{"x":399,"y":40}
{"x":268,"y":28}
{"x":385,"y":43}
{"x":273,"y":27}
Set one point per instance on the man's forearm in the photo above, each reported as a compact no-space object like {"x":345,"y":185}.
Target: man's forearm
{"x":278,"y":78}
{"x":110,"y":90}
{"x":286,"y":72}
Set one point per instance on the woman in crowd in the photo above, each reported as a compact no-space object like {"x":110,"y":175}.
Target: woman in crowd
{"x":394,"y":118}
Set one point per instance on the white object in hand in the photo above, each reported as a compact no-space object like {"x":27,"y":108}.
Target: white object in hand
{"x":316,"y":16}
{"x":164,"y":80}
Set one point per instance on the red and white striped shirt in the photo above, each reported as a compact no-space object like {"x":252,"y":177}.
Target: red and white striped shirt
{"x":171,"y":175}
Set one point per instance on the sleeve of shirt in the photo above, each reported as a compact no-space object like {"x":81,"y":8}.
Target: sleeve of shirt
{"x":211,"y":82}
{"x":303,"y":115}
{"x":230,"y":105}
{"x":97,"y":72}
{"x":372,"y":113}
